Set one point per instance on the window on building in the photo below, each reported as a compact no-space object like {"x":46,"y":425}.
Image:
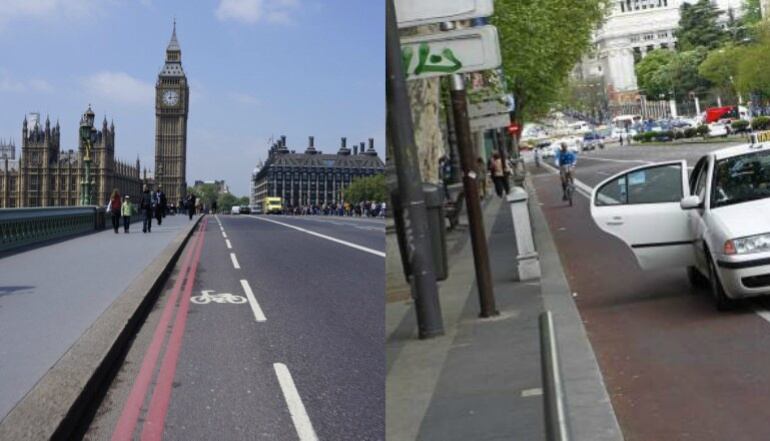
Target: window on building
{"x":650,"y":48}
{"x":637,"y":54}
{"x":649,"y":36}
{"x":664,"y":45}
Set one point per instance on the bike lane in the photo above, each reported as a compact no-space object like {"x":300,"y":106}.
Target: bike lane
{"x":246,"y":371}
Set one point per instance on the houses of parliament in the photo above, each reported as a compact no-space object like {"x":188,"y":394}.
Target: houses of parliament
{"x":44,"y":175}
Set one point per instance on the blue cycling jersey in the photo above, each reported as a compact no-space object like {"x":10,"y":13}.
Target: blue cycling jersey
{"x":566,"y":158}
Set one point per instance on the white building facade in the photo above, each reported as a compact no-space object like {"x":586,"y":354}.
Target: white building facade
{"x":632,"y":29}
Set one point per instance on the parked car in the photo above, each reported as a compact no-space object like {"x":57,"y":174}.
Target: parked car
{"x":245,"y":209}
{"x":718,"y":129}
{"x":716,"y":223}
{"x":235,"y":210}
{"x":592,"y":140}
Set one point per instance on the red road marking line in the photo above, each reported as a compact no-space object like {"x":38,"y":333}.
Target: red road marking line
{"x":124,"y":430}
{"x":161,"y":396}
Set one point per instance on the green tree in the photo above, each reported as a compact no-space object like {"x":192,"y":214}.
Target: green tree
{"x":754,"y":70}
{"x":752,"y":12}
{"x":207,"y":193}
{"x":540,"y":42}
{"x":662,"y":72}
{"x":698,"y":26}
{"x":243,"y":200}
{"x":370,"y":188}
{"x":225,"y":202}
{"x":721,"y":68}
{"x":652,"y":73}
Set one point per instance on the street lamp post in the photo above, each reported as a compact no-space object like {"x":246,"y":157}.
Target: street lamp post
{"x":87,"y":138}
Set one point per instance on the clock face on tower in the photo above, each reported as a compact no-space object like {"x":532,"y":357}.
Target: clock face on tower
{"x":170,"y":98}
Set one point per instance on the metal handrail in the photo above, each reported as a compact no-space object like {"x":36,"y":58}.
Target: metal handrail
{"x":556,"y":427}
{"x":26,"y":226}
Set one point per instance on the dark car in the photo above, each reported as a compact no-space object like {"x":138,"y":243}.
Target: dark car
{"x":245,"y":209}
{"x":593,"y":140}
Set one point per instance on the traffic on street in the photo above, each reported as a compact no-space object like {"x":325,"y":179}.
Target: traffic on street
{"x":269,"y":328}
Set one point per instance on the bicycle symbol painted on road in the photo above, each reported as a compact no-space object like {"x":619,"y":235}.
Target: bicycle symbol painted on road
{"x":206,"y":297}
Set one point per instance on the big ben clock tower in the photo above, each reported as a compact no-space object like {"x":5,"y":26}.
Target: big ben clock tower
{"x":171,"y":107}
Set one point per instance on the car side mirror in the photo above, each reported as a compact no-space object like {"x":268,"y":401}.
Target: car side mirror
{"x":690,"y":202}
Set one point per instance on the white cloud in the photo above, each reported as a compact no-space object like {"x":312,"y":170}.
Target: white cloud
{"x":10,"y":84}
{"x":119,"y":87}
{"x":243,"y":98}
{"x":253,"y":11}
{"x":46,"y":9}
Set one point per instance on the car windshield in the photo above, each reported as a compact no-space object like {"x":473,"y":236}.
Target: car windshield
{"x":741,"y":179}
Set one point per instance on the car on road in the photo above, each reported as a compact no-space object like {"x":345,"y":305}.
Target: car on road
{"x":592,"y":140}
{"x":245,"y":209}
{"x":715,"y":223}
{"x":235,"y":210}
{"x":718,"y":129}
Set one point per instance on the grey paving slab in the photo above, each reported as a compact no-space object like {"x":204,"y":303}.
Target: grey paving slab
{"x":50,"y":295}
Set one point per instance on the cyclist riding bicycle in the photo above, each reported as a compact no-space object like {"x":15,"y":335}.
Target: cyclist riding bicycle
{"x":566,"y":161}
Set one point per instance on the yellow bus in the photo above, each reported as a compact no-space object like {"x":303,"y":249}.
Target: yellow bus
{"x":272,"y":205}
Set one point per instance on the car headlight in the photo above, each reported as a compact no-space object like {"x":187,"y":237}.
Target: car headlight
{"x":746,"y":245}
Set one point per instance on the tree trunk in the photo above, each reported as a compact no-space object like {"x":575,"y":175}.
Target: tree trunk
{"x":424,"y":99}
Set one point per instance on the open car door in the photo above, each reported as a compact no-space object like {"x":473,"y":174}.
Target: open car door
{"x":641,"y":207}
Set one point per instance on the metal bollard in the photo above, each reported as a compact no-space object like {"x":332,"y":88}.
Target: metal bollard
{"x":553,"y":394}
{"x":528,"y":261}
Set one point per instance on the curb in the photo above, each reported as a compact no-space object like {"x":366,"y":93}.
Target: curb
{"x":590,"y":413}
{"x":55,"y":408}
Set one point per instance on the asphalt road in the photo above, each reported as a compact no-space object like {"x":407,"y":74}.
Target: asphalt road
{"x":675,"y":368}
{"x":305,"y":361}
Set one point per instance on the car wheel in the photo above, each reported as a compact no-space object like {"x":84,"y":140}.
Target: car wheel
{"x":721,"y":301}
{"x":696,"y":278}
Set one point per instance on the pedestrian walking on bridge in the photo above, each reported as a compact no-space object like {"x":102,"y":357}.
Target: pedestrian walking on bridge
{"x":146,"y":206}
{"x":113,"y":209}
{"x":126,"y":210}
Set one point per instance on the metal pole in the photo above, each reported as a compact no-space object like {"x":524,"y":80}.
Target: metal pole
{"x":553,"y":395}
{"x":475,"y":219}
{"x":401,"y":135}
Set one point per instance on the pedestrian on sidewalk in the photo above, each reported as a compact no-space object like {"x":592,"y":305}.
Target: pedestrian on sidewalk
{"x":497,"y":170}
{"x":113,"y":209}
{"x":190,"y":205}
{"x":146,"y":206}
{"x":621,"y":140}
{"x":481,"y":176}
{"x":126,"y":210}
{"x":161,"y":205}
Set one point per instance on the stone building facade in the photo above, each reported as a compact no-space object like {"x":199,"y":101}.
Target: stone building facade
{"x":632,"y":29}
{"x":312,"y":177}
{"x":46,"y":176}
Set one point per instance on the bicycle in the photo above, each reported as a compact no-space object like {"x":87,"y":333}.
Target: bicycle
{"x":206,"y":297}
{"x":569,"y":188}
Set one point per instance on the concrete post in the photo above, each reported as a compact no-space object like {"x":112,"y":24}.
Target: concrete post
{"x":528,"y":263}
{"x":672,"y":104}
{"x":697,"y":106}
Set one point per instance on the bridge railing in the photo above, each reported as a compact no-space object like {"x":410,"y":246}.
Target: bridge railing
{"x":26,"y":226}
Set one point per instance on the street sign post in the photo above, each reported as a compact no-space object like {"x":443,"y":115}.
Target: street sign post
{"x":421,"y":12}
{"x":452,"y":52}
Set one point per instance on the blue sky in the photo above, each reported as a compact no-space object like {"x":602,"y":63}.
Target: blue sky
{"x":257,"y":68}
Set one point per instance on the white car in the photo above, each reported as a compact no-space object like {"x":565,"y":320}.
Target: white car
{"x":716,"y":223}
{"x":718,"y":129}
{"x":235,"y":210}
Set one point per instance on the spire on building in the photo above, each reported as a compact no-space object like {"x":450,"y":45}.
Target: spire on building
{"x":173,"y":45}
